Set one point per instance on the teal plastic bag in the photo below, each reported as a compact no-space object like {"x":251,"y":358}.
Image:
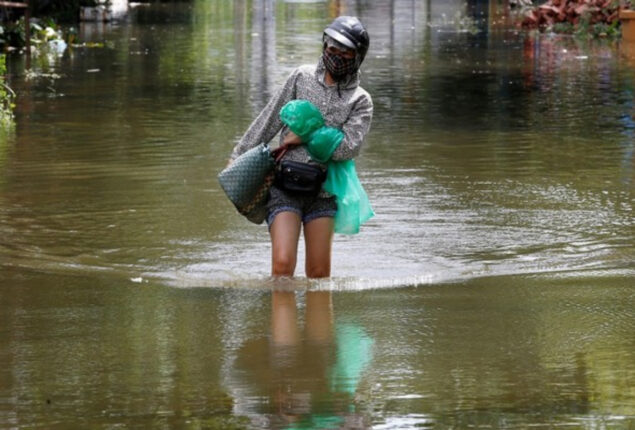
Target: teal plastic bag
{"x":323,"y":142}
{"x":302,"y":117}
{"x":353,"y":206}
{"x":354,"y":353}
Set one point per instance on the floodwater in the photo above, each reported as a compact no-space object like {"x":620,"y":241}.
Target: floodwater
{"x":493,"y":288}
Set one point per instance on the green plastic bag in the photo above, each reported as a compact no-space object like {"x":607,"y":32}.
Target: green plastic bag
{"x":302,"y":117}
{"x":354,"y":353}
{"x":323,"y":142}
{"x":353,"y":206}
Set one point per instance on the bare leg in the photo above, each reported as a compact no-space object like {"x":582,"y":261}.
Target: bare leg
{"x":285,"y":232}
{"x":284,"y":322}
{"x":318,"y":238}
{"x":319,"y":316}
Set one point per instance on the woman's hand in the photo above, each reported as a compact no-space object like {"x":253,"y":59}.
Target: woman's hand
{"x":291,"y":139}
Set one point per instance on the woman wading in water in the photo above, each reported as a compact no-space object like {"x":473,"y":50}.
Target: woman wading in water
{"x":333,"y":87}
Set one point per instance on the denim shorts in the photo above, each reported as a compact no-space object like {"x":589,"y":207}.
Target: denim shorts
{"x":308,"y":207}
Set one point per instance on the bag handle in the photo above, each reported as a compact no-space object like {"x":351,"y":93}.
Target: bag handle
{"x":279,"y":152}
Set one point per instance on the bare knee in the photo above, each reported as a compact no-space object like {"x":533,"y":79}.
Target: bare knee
{"x":285,"y":231}
{"x":283,"y":265}
{"x":318,"y":236}
{"x":321,"y":270}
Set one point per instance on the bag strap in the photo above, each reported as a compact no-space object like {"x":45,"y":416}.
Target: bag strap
{"x":279,"y":152}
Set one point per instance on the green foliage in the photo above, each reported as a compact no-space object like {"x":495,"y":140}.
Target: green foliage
{"x":6,"y":99}
{"x":587,"y":29}
{"x":563,"y":28}
{"x":13,"y":34}
{"x":603,"y":29}
{"x":45,"y":31}
{"x":594,"y":22}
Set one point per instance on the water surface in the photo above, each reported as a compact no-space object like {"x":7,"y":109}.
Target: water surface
{"x":493,"y":287}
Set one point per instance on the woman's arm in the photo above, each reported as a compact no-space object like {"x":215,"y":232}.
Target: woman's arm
{"x":268,"y":123}
{"x":355,"y":129}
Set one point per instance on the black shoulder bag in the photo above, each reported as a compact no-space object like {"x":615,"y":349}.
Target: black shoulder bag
{"x":296,"y":177}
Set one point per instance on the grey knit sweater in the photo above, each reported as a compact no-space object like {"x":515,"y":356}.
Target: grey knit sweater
{"x":348,"y":108}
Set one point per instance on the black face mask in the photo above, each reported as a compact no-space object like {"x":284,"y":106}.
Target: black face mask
{"x":339,"y":67}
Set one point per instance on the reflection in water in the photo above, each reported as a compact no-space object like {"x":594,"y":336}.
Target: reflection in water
{"x":303,"y":376}
{"x":627,"y":51}
{"x":499,"y":352}
{"x":263,"y":58}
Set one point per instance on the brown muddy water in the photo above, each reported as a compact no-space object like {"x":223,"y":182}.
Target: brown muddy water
{"x":493,"y":289}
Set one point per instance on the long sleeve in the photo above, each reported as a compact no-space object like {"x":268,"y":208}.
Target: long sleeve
{"x":268,"y":123}
{"x":355,"y":129}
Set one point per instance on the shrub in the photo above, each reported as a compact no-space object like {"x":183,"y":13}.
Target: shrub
{"x":6,"y":98}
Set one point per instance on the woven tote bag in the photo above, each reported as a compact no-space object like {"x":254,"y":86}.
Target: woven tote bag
{"x":247,"y":181}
